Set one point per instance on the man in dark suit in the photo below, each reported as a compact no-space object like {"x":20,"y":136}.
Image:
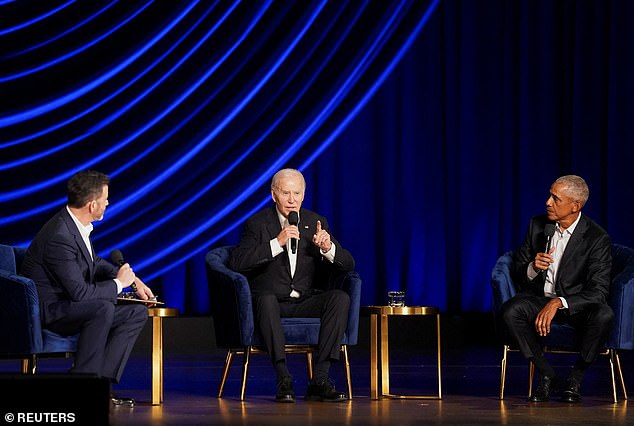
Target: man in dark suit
{"x":567,"y":282}
{"x":285,"y":281}
{"x":78,"y":289}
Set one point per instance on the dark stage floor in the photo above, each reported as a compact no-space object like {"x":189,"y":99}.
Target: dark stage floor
{"x":470,"y":388}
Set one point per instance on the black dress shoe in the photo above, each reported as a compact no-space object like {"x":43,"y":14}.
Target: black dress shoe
{"x":285,"y":392}
{"x":122,"y":401}
{"x":572,"y":392}
{"x":324,"y":390}
{"x":546,"y":386}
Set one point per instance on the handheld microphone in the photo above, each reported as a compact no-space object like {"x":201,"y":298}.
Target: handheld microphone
{"x":549,"y":231}
{"x":117,"y":259}
{"x":293,"y":219}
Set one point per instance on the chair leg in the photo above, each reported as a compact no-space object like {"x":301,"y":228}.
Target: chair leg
{"x":503,"y":371}
{"x":618,"y":366}
{"x":29,"y":365}
{"x":309,"y":365}
{"x":225,"y":373}
{"x":531,"y":376}
{"x":611,"y":355}
{"x":245,"y":371}
{"x":615,"y":361}
{"x":346,"y":367}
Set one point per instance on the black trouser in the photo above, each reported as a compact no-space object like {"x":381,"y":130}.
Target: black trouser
{"x":331,"y":307}
{"x":107,"y":333}
{"x":593,"y":324}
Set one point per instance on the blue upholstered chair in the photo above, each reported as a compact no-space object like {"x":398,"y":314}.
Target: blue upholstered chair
{"x":232,"y":312}
{"x":21,"y":333}
{"x":562,"y":337}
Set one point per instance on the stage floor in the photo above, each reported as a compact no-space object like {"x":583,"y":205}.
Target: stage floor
{"x":470,"y":392}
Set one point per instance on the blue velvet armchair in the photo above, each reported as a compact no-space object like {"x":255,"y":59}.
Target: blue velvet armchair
{"x":562,"y":337}
{"x":21,"y":333}
{"x":232,"y":312}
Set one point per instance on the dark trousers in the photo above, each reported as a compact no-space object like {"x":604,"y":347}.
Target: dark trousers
{"x":331,"y":307}
{"x":107,"y":333}
{"x":592,"y":324}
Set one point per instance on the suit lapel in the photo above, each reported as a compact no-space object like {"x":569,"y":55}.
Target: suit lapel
{"x":273,"y":228}
{"x":576,"y":240}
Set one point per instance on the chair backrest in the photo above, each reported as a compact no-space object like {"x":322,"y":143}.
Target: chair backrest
{"x":622,"y":298}
{"x":20,"y":327}
{"x":7,"y":259}
{"x":230,"y":300}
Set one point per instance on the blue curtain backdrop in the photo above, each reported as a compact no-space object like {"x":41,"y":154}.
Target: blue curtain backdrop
{"x":429,"y":131}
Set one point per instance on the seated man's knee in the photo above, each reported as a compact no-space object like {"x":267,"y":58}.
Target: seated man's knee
{"x":340,"y":298}
{"x":103,"y":309}
{"x":604,"y":315}
{"x":509,"y":310}
{"x":139,"y":313}
{"x":262,"y":300}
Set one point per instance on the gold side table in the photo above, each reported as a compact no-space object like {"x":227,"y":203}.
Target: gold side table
{"x":381,"y":345}
{"x":157,"y":315}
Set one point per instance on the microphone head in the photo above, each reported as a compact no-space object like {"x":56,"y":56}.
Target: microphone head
{"x":293,"y":218}
{"x":117,"y":257}
{"x":549,"y":230}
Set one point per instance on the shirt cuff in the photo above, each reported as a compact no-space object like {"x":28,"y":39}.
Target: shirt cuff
{"x":119,"y":285}
{"x":530,"y":271}
{"x":563,"y":302}
{"x":330,"y":254}
{"x":276,"y":248}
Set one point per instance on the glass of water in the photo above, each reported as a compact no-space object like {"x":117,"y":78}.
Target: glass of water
{"x":396,"y":299}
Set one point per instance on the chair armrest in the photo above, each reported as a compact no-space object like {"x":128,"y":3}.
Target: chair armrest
{"x":230,"y":300}
{"x":350,"y":282}
{"x":622,"y":303}
{"x":20,"y":324}
{"x":502,"y":286}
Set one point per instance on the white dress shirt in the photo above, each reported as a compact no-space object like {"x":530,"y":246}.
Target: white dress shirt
{"x":277,"y":249}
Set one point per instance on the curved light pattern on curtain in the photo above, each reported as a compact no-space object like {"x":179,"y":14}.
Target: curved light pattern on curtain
{"x":189,"y":106}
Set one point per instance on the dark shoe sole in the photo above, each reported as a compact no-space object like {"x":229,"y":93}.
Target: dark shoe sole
{"x":123,"y":402}
{"x":286,"y":399}
{"x":320,"y":399}
{"x":571,"y":399}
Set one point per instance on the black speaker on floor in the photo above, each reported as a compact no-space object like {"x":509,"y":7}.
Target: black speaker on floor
{"x":54,"y":398}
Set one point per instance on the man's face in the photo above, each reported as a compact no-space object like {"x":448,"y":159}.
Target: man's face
{"x":560,"y":205}
{"x":98,"y":206}
{"x":288,"y":194}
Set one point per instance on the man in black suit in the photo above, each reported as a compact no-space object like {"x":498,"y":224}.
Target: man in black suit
{"x":285,"y":282}
{"x":78,"y":289}
{"x":569,"y":283}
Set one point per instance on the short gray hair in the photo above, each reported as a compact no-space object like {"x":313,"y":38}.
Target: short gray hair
{"x":576,"y":187}
{"x":284,"y":173}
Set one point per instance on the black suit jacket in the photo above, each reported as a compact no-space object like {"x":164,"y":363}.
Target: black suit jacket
{"x":58,"y":261}
{"x":272,"y":275}
{"x":583,"y":277}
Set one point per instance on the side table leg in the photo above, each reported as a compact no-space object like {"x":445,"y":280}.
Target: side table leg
{"x":374,"y":377}
{"x":157,"y":360}
{"x":438,"y":346}
{"x":385,"y":358}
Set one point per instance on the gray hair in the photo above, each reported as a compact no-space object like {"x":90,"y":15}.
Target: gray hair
{"x":287,"y":173}
{"x":576,"y":187}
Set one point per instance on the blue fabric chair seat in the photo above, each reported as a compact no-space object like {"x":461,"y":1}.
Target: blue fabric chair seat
{"x":563,"y":337}
{"x":55,"y":343}
{"x":232,"y":312}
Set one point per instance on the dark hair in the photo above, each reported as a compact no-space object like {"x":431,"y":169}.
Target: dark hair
{"x":85,"y":186}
